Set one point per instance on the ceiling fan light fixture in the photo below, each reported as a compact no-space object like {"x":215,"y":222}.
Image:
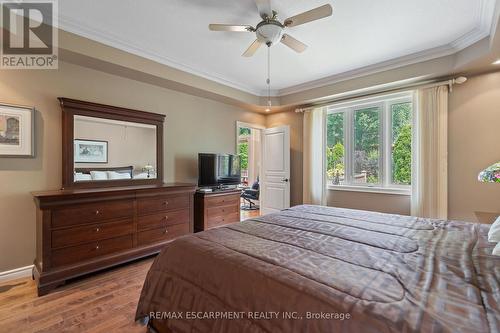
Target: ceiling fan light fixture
{"x":269,"y":32}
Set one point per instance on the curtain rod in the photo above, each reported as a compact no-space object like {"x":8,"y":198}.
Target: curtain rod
{"x":352,"y":95}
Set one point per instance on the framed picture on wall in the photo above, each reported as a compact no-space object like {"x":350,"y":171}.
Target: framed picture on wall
{"x":91,"y":151}
{"x":16,"y":131}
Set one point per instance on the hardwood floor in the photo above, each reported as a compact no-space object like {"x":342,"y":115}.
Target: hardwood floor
{"x":103,"y":302}
{"x":248,"y":214}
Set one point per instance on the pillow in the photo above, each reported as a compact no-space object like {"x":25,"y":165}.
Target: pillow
{"x":82,"y":177}
{"x":118,"y":175}
{"x":496,"y":250}
{"x":494,"y":233}
{"x":142,"y":175}
{"x":99,"y":175}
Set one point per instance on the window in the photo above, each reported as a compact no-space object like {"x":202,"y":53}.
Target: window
{"x":369,"y":143}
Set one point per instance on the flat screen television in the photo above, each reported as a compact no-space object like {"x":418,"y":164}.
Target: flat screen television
{"x":217,"y":170}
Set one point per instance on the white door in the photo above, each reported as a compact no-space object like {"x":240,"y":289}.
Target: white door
{"x":275,"y":179}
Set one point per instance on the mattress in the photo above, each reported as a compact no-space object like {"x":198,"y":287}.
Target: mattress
{"x":323,"y":269}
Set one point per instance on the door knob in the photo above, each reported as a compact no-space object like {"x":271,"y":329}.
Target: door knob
{"x":285,"y":180}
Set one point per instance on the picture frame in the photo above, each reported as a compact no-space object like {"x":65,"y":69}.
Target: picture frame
{"x":91,"y":151}
{"x":17,"y":131}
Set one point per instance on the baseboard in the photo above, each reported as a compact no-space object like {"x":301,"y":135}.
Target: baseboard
{"x":16,"y":273}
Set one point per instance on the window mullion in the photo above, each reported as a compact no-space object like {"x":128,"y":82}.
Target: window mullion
{"x":348,"y":138}
{"x":387,"y":145}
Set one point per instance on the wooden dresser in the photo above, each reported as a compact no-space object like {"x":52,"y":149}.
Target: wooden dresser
{"x":84,"y":230}
{"x":215,"y":209}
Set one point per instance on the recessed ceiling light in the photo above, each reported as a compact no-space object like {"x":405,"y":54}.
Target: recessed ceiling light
{"x":497,"y":62}
{"x":268,"y":109}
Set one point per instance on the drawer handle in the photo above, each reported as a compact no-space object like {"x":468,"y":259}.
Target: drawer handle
{"x":97,"y":212}
{"x":97,"y":247}
{"x":97,"y":229}
{"x":165,"y":203}
{"x":166,"y":217}
{"x":166,"y":231}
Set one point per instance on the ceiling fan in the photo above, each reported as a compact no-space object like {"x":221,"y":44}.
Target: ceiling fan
{"x":270,"y":30}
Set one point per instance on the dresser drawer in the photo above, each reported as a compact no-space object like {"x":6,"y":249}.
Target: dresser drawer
{"x":222,"y":210}
{"x":89,"y":233}
{"x":162,"y":234}
{"x":223,"y":200}
{"x":220,"y":220}
{"x":91,"y":213}
{"x":91,"y":250}
{"x":163,"y":219}
{"x":158,"y":204}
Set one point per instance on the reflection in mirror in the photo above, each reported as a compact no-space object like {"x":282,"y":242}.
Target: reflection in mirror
{"x":106,"y":149}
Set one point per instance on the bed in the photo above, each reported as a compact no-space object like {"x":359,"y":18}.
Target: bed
{"x":323,"y":269}
{"x":129,"y":170}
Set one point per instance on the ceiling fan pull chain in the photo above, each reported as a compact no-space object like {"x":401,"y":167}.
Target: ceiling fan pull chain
{"x":269,"y":77}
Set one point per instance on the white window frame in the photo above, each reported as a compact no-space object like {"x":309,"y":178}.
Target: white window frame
{"x":385,"y":133}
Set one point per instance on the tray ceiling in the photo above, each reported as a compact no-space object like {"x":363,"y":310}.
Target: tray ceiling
{"x":360,"y":37}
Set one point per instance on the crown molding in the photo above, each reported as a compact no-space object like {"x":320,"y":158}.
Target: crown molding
{"x":484,"y":25}
{"x":371,"y":69}
{"x":110,"y":39}
{"x":484,"y":22}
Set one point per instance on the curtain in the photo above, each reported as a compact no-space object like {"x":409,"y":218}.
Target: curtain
{"x":253,"y":155}
{"x":430,"y":154}
{"x":314,"y":168}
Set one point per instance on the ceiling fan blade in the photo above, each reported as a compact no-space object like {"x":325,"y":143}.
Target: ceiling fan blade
{"x":310,"y":15}
{"x":252,"y":49}
{"x":294,"y":44}
{"x":264,"y":8}
{"x":230,"y":27}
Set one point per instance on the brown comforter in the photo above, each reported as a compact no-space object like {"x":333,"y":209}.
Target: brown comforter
{"x":319,"y":269}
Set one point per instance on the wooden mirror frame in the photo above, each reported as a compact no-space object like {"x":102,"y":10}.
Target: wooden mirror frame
{"x":71,"y":107}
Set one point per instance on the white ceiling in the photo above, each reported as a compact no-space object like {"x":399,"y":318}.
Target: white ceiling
{"x":362,"y":35}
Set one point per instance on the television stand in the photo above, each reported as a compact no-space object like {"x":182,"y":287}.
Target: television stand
{"x":217,"y":208}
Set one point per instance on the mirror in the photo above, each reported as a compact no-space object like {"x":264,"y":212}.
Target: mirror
{"x":108,"y":149}
{"x":105,"y":146}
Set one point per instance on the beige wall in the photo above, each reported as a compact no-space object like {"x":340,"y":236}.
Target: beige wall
{"x":294,"y":120}
{"x":380,"y":202}
{"x":474,"y":143}
{"x":193,"y":125}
